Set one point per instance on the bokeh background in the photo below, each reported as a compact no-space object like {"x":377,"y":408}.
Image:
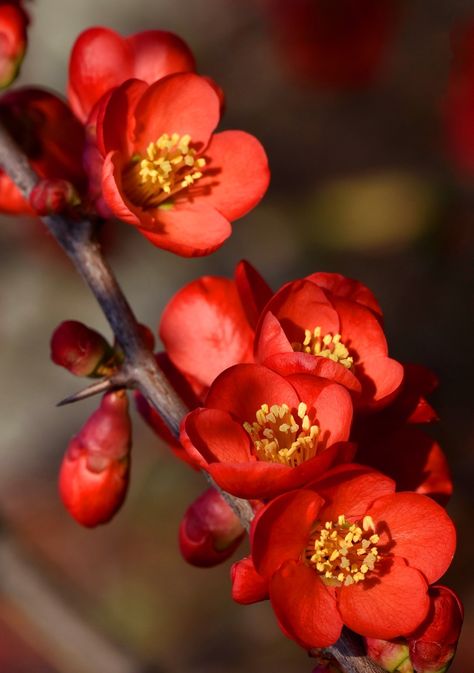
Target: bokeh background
{"x":363,"y":183}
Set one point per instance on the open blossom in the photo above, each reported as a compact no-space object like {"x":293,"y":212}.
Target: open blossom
{"x":166,"y":172}
{"x":332,"y":329}
{"x":351,"y":549}
{"x":261,"y":433}
{"x":101,"y":60}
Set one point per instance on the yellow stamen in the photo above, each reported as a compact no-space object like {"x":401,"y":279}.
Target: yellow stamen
{"x":327,"y":346}
{"x":344,"y":556}
{"x":170,"y":165}
{"x":280,"y":438}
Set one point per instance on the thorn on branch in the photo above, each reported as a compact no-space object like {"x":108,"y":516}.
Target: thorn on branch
{"x":119,"y":380}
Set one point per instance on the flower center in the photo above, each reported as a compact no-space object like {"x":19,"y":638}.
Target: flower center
{"x":170,"y":166}
{"x":327,"y":346}
{"x":279,"y":438}
{"x":343,"y":553}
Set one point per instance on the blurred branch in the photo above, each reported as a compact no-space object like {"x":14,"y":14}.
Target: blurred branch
{"x":78,"y":241}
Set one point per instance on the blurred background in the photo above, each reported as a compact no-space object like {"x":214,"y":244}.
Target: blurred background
{"x":361,"y":120}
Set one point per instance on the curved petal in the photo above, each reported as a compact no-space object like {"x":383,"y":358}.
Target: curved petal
{"x":11,"y":199}
{"x":112,"y":190}
{"x":272,"y":339}
{"x":236,"y":175}
{"x":247,"y":585}
{"x":115,"y":120}
{"x":381,"y":378}
{"x":350,"y":490}
{"x":305,"y":607}
{"x":392,"y":603}
{"x":100,"y":60}
{"x":262,"y":480}
{"x":361,"y":331}
{"x":216,"y":437}
{"x":331,"y":402}
{"x":205,"y":330}
{"x":305,"y":363}
{"x":303,"y":305}
{"x":189,"y":230}
{"x":346,"y":288}
{"x":282,"y":529}
{"x":157,"y":53}
{"x":184,"y":103}
{"x":253,"y":290}
{"x":416,"y":528}
{"x":243,"y":389}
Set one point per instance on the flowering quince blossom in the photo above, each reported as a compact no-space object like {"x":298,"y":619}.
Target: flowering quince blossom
{"x":321,"y":329}
{"x":261,"y":433}
{"x":14,"y":21}
{"x":164,"y":170}
{"x":101,"y":60}
{"x":349,"y":548}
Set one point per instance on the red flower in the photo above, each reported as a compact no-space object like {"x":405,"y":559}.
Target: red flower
{"x":101,"y":60}
{"x":50,"y":136}
{"x":350,"y":552}
{"x":261,"y":434}
{"x":330,"y":328}
{"x":167,"y":174}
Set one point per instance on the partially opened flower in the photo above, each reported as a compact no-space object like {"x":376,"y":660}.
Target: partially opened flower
{"x":336,"y":334}
{"x":101,"y":59}
{"x":261,"y":433}
{"x":349,"y":551}
{"x":167,"y":174}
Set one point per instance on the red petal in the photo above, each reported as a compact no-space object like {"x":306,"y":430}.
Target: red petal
{"x":262,"y":480}
{"x":100,"y":60}
{"x":350,"y":490}
{"x":302,"y":305}
{"x":189,"y":230}
{"x":236,"y":175}
{"x":281,"y":530}
{"x":305,"y":363}
{"x":332,"y":403}
{"x":417,"y":529}
{"x":272,"y":339}
{"x":113,"y":192}
{"x":247,"y":585}
{"x":361,"y":331}
{"x":115,"y":118}
{"x":346,"y":288}
{"x":216,"y":436}
{"x":305,"y":607}
{"x":253,"y":291}
{"x":243,"y":389}
{"x":204,"y":328}
{"x":157,"y":53}
{"x":392,"y":602}
{"x":381,"y":377}
{"x":183,"y":104}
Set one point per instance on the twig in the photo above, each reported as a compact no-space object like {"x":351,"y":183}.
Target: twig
{"x":77,"y":240}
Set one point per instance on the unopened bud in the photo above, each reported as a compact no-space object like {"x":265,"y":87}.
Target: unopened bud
{"x":94,"y":474}
{"x":210,"y":531}
{"x":13,"y":40}
{"x":53,"y":196}
{"x":147,"y":336}
{"x":79,"y":349}
{"x":433,"y":646}
{"x":391,"y":655}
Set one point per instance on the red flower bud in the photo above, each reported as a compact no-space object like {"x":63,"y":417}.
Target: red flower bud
{"x":147,"y":336}
{"x":433,"y":646}
{"x":79,"y":349}
{"x":13,"y":40}
{"x":53,"y":196}
{"x":210,"y":531}
{"x":392,"y":655}
{"x":94,"y":473}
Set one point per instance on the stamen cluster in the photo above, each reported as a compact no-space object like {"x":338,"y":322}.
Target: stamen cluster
{"x":343,"y":552}
{"x":327,"y":346}
{"x":279,"y":438}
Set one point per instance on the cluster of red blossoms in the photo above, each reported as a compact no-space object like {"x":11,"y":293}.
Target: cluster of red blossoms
{"x":295,"y":403}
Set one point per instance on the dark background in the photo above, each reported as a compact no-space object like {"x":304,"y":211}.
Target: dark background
{"x":361,"y":184}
